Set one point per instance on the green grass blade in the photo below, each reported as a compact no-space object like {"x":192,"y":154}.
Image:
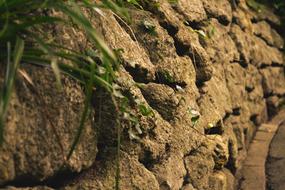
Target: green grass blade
{"x":6,"y":24}
{"x":109,"y":4}
{"x":76,"y":15}
{"x":36,"y":20}
{"x":23,"y":5}
{"x":9,"y":82}
{"x":54,"y":65}
{"x":78,"y":74}
{"x":86,"y":111}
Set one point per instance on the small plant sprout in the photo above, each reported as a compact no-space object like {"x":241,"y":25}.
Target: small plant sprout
{"x":137,"y":127}
{"x":140,"y":85}
{"x":167,"y":76}
{"x":132,"y":134}
{"x":149,"y":27}
{"x":135,"y":2}
{"x":132,"y":119}
{"x":117,"y":91}
{"x":134,"y":130}
{"x":200,"y":33}
{"x":211,"y":32}
{"x":145,"y":110}
{"x":195,"y":116}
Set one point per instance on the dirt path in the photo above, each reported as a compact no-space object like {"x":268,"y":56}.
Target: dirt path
{"x":253,"y":172}
{"x":275,"y":165}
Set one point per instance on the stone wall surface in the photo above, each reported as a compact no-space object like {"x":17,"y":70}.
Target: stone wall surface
{"x":217,"y":57}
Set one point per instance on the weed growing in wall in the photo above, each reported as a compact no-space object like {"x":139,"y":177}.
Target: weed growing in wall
{"x":22,"y":41}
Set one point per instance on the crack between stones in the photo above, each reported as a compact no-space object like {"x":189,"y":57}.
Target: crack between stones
{"x":56,"y":181}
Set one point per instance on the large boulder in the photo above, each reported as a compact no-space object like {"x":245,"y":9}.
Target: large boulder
{"x":42,"y":122}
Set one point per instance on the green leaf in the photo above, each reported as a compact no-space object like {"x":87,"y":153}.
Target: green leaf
{"x":6,"y":17}
{"x":11,"y":71}
{"x":145,"y":111}
{"x":86,"y":111}
{"x":56,"y":72}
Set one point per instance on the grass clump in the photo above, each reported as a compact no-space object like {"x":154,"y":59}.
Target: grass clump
{"x":20,"y":21}
{"x":22,"y":41}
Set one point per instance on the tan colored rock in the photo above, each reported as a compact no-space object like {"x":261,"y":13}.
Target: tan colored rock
{"x":242,"y":17}
{"x":218,"y":43}
{"x":236,"y":83}
{"x":254,"y":50}
{"x":263,"y":30}
{"x":192,"y":11}
{"x":189,"y":45}
{"x":177,"y":57}
{"x":220,"y":9}
{"x":255,"y":103}
{"x":170,"y":172}
{"x":135,"y":57}
{"x":199,"y":165}
{"x":162,"y":98}
{"x":273,"y":80}
{"x":273,"y":104}
{"x":267,"y":15}
{"x":133,"y":175}
{"x":230,"y":179}
{"x":41,"y":126}
{"x":218,"y":181}
{"x":170,"y":68}
{"x":186,"y":39}
{"x":236,"y":124}
{"x":215,"y":99}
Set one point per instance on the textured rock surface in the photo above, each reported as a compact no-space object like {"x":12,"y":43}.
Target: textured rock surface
{"x":275,"y":161}
{"x":41,"y":125}
{"x":207,"y":56}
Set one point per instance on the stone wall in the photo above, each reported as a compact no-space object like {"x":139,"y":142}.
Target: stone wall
{"x":215,"y":57}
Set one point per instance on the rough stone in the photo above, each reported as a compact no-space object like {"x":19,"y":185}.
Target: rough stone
{"x":218,"y":181}
{"x":218,"y":43}
{"x":133,"y":176}
{"x":41,"y":125}
{"x":220,"y":9}
{"x":134,"y":56}
{"x":170,"y":172}
{"x":209,"y":57}
{"x":235,"y":77}
{"x":264,"y":31}
{"x":254,"y":50}
{"x":273,"y":80}
{"x":215,"y":99}
{"x":192,"y":11}
{"x":162,"y":98}
{"x":199,"y":165}
{"x":230,"y":179}
{"x":273,"y":104}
